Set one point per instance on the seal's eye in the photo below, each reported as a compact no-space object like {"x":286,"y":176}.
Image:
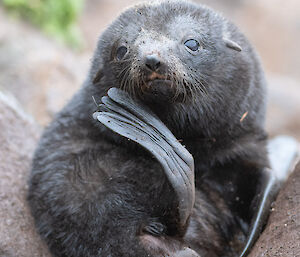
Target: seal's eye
{"x":192,"y":44}
{"x":122,"y":50}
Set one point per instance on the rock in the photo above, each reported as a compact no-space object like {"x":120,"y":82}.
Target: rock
{"x":18,"y":137}
{"x":281,"y":236}
{"x":283,"y":110}
{"x":273,"y":28}
{"x":41,"y":74}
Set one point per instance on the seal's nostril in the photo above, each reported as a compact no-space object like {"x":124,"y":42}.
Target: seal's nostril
{"x":152,"y":62}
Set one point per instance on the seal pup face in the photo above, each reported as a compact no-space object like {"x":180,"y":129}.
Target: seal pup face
{"x":181,"y":59}
{"x":162,"y":50}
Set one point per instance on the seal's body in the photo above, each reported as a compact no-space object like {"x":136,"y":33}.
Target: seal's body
{"x":94,"y":193}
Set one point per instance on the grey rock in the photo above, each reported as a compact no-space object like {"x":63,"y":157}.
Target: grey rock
{"x":18,"y":137}
{"x":40,"y":73}
{"x":283,"y":110}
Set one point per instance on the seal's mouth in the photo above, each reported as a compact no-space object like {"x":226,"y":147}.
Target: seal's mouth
{"x":155,"y":79}
{"x":155,"y":75}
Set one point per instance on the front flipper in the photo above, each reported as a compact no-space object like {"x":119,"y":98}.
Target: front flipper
{"x":283,"y":156}
{"x":131,"y":119}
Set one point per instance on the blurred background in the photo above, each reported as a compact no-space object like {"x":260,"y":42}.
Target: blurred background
{"x":46,"y":47}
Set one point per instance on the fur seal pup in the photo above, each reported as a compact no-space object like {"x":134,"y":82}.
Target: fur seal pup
{"x":95,"y":193}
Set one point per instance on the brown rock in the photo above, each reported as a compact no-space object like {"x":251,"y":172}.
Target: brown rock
{"x":41,"y":74}
{"x":281,"y":236}
{"x":283,"y":106}
{"x":18,"y":137}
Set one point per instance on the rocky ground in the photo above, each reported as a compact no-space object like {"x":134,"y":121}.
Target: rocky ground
{"x":43,"y":75}
{"x":18,"y":136}
{"x":281,"y":236}
{"x":40,"y":74}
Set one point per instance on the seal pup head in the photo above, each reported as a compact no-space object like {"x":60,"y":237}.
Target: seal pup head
{"x":184,"y":59}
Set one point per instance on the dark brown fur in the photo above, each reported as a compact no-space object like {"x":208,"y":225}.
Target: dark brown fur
{"x":93,"y":193}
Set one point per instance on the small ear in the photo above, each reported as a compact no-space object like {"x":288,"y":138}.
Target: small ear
{"x":233,"y":45}
{"x":98,"y":76}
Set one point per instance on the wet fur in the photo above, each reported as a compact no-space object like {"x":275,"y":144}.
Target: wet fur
{"x":94,"y":193}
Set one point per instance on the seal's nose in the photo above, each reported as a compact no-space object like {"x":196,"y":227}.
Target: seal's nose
{"x":152,"y":62}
